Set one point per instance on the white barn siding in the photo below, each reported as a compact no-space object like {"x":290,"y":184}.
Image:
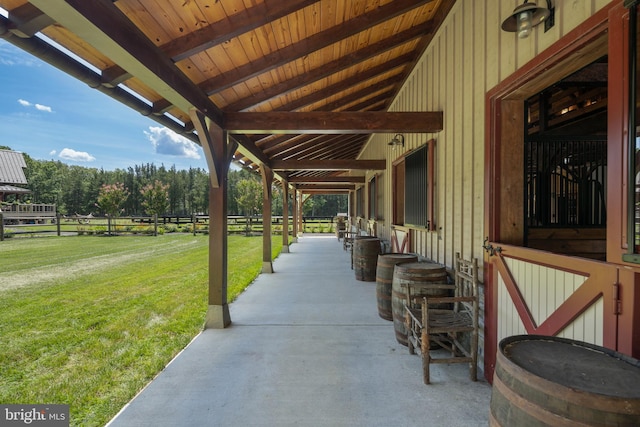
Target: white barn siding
{"x":468,"y":56}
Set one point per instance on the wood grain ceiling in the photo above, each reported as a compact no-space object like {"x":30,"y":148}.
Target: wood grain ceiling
{"x":265,"y":57}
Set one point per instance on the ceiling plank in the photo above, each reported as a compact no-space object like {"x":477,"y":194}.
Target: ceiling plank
{"x":346,"y":84}
{"x":331,"y":122}
{"x":326,"y":165}
{"x":332,"y":67}
{"x":313,"y":43}
{"x":326,"y":179}
{"x":107,"y":29}
{"x":221,"y":31}
{"x":364,"y":93}
{"x":441,"y":13}
{"x":305,"y":187}
{"x":325,"y":192}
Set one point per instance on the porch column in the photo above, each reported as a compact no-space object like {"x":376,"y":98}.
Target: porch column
{"x":218,"y":152}
{"x":285,"y":217}
{"x":267,"y":198}
{"x":295,"y":215}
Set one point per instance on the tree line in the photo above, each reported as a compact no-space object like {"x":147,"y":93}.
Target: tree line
{"x":76,"y":190}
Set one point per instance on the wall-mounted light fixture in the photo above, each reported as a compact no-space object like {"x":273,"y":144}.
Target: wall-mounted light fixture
{"x":528,"y":15}
{"x":398,"y":139}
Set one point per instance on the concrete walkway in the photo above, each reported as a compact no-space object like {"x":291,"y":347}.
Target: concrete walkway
{"x":306,"y":348}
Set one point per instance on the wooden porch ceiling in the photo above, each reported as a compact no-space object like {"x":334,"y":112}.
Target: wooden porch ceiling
{"x":300,"y":84}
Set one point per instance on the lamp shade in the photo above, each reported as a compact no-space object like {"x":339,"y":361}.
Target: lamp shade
{"x":538,"y":15}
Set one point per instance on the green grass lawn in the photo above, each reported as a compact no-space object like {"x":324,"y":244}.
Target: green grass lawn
{"x":88,"y":321}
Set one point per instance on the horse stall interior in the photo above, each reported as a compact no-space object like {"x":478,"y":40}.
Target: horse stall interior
{"x":566,"y":165}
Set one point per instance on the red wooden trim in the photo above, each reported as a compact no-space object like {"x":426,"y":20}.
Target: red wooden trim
{"x":394,"y":241}
{"x":629,"y":319}
{"x":617,"y":143}
{"x":580,"y":37}
{"x":550,"y":259}
{"x":431,"y":184}
{"x":491,"y":318}
{"x":600,"y":283}
{"x":516,"y":296}
{"x":579,"y":301}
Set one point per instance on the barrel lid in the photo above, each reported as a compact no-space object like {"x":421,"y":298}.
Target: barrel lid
{"x":420,"y":265}
{"x":398,"y":256}
{"x":575,"y":364}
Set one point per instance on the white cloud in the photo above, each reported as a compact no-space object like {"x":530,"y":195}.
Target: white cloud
{"x":76,"y":156}
{"x":53,"y":152}
{"x":38,"y":107}
{"x":166,"y":141}
{"x":43,"y":108}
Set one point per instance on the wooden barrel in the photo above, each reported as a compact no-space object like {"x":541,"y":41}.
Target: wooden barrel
{"x":365,"y":257}
{"x":421,"y":276}
{"x":384,"y":279}
{"x":550,"y":381}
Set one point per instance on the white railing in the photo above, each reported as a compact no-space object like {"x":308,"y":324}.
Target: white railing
{"x":28,"y":210}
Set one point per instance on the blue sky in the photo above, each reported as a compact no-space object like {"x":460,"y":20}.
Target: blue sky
{"x":49,"y":115}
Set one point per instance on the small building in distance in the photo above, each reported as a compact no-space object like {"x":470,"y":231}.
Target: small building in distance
{"x":13,"y":181}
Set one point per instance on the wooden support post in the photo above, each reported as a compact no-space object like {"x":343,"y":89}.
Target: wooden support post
{"x":1,"y":227}
{"x":295,"y":215}
{"x":218,"y":152}
{"x":285,"y":217}
{"x":267,"y":199}
{"x":58,"y":217}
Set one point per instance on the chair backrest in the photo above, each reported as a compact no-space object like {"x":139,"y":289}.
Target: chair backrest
{"x":466,"y":277}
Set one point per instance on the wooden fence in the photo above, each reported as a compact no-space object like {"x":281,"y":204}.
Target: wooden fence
{"x":90,"y":225}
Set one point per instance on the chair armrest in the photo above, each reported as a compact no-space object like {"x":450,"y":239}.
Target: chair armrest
{"x":413,"y":315}
{"x":444,"y":300}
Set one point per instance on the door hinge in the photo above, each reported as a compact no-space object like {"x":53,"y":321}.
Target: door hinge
{"x":617,"y":302}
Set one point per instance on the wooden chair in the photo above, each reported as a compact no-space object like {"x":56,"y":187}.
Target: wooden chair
{"x":445,"y":327}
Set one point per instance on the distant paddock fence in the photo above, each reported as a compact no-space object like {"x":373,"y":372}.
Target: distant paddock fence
{"x":60,"y":225}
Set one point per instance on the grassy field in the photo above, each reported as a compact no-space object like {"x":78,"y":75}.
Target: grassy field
{"x":88,"y":321}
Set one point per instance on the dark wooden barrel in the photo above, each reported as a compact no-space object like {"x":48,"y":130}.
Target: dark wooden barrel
{"x":421,"y":276}
{"x":384,"y":279}
{"x":365,"y":257}
{"x":550,"y":381}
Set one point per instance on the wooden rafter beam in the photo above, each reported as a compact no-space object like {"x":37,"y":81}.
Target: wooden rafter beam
{"x":326,"y":179}
{"x":333,"y":123}
{"x":107,"y":29}
{"x":312,"y":192}
{"x":363,"y":94}
{"x":242,"y":22}
{"x":346,"y":84}
{"x":288,"y":150}
{"x":250,"y":150}
{"x":332,"y":67}
{"x":338,"y":90}
{"x":313,"y":187}
{"x":370,"y":104}
{"x":276,"y":143}
{"x":311,"y":44}
{"x":328,"y":149}
{"x":325,"y":165}
{"x":441,"y":13}
{"x":27,"y":20}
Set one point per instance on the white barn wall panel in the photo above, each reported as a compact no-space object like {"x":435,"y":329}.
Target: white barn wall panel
{"x":468,"y":56}
{"x":544,"y":289}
